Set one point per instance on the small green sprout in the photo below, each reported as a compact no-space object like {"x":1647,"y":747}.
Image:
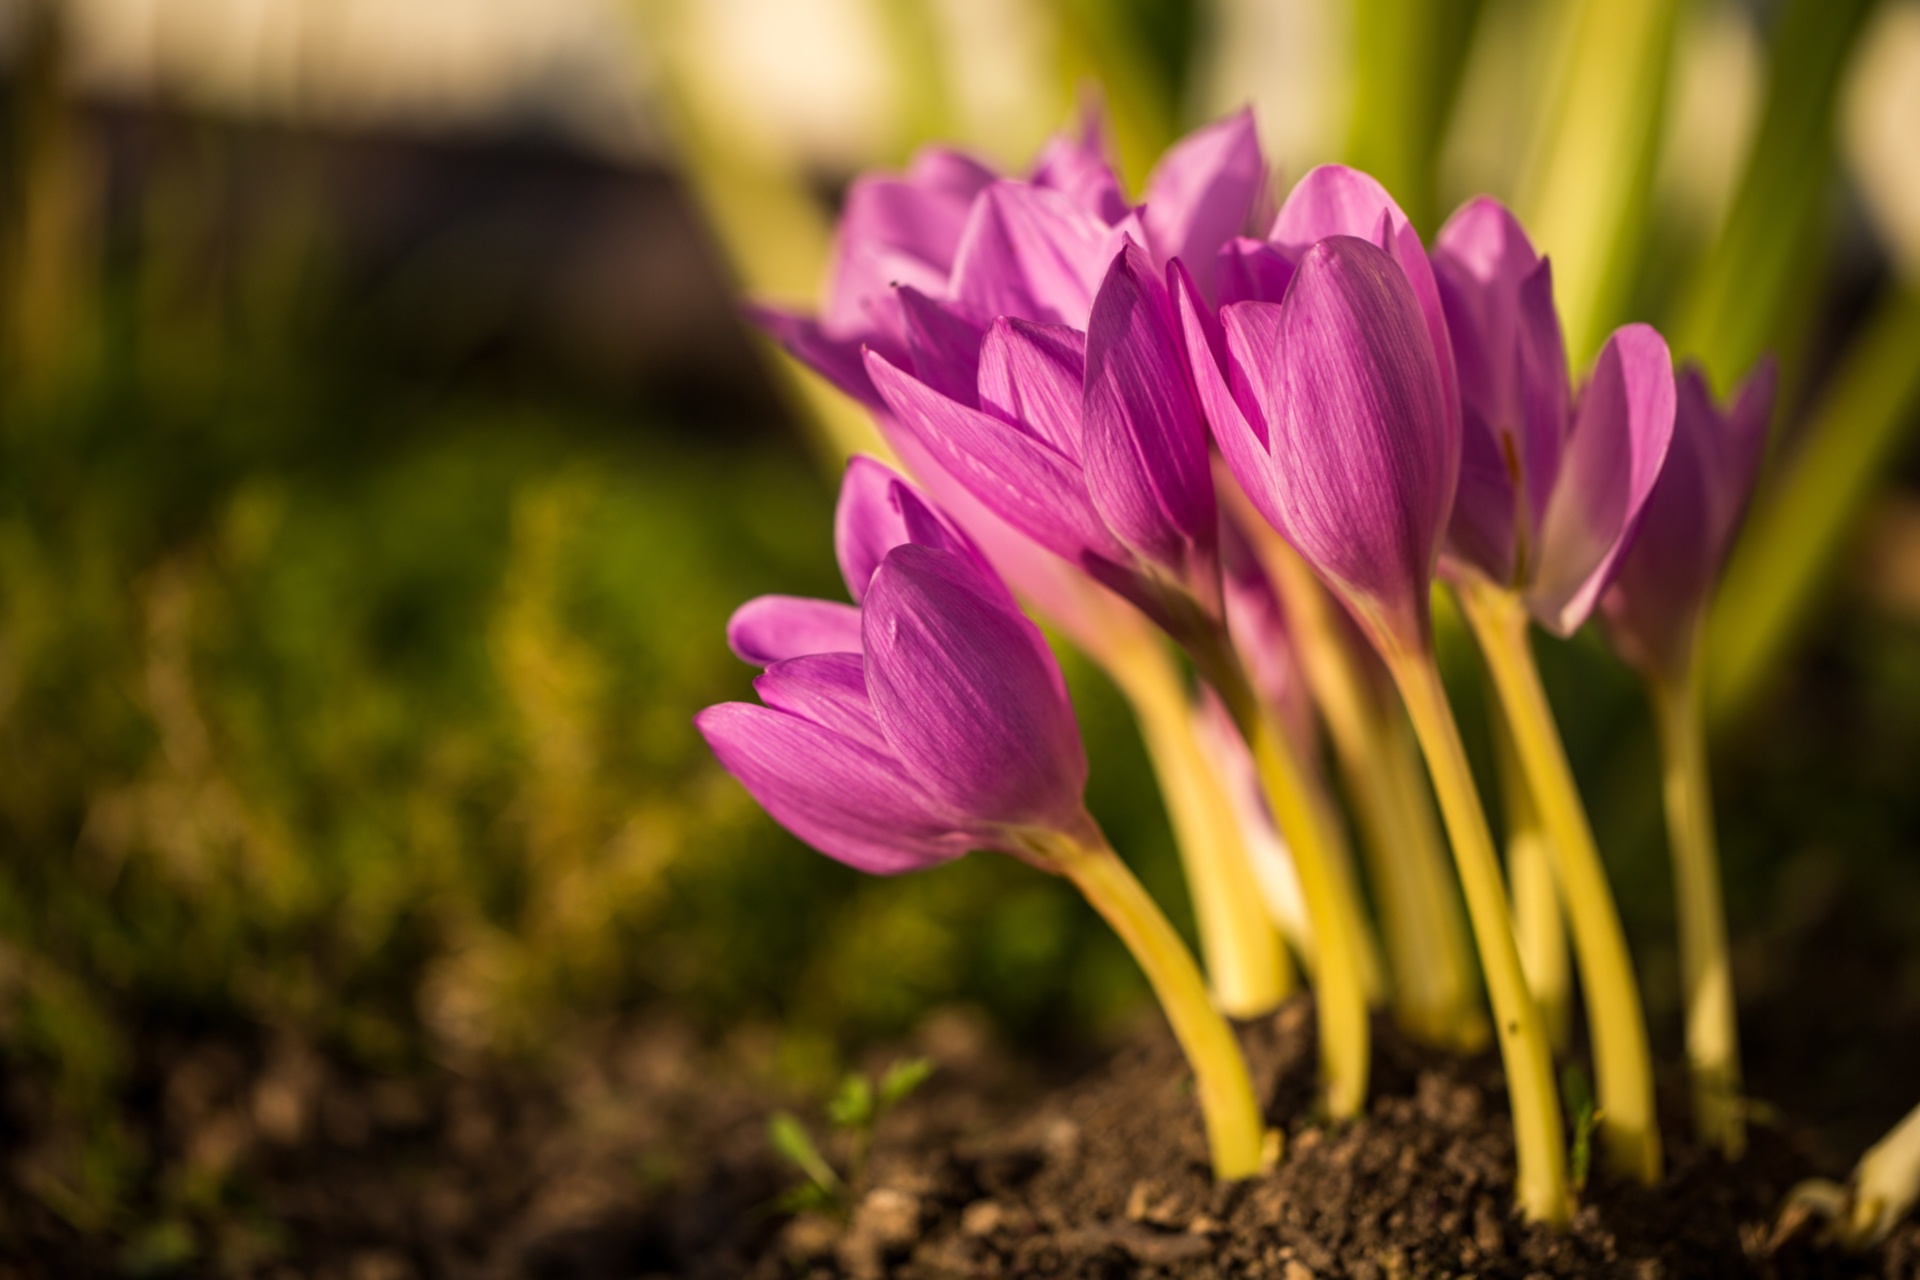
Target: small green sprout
{"x":854,"y":1112}
{"x":1586,"y":1118}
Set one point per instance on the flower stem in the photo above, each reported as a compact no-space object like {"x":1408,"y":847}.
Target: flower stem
{"x":1623,"y":1065}
{"x":1339,"y":978}
{"x":1713,"y":1038}
{"x":1540,"y":1183}
{"x":1306,"y":822}
{"x":1246,"y":962}
{"x":1435,"y":996}
{"x":1539,"y":925}
{"x":1235,"y":1132}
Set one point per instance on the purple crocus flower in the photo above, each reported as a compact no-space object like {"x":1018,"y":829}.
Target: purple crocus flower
{"x":1551,"y":489}
{"x":1331,"y":412}
{"x":924,"y":261}
{"x":1091,"y":444}
{"x":937,"y":722}
{"x":1661,"y":589}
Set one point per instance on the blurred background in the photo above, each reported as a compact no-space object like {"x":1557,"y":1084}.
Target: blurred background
{"x":382,"y":451}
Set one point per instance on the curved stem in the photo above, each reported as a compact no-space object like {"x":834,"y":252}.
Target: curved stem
{"x":1340,"y":987}
{"x":1306,"y":823}
{"x":1235,"y":1132}
{"x":1713,"y":1038}
{"x":1246,"y":962}
{"x":1540,"y":1182}
{"x":1539,"y":925}
{"x":1623,"y":1065}
{"x":1435,"y":997}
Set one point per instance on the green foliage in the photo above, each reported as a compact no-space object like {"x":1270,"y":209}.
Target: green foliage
{"x":855,"y":1111}
{"x":1578,"y":1095}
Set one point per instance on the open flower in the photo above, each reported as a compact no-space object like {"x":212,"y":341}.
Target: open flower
{"x":1330,"y":410}
{"x":935,"y":723}
{"x":1090,"y":444}
{"x":1551,"y":489}
{"x":1663,"y":584}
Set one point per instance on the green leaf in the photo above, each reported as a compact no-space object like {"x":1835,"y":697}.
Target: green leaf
{"x":852,"y":1107}
{"x":790,"y":1138}
{"x":1586,"y":1117}
{"x":901,"y":1080}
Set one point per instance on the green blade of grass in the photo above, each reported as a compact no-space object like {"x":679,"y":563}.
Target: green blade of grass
{"x":1784,"y":562}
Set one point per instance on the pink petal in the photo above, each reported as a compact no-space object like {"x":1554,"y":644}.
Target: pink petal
{"x":1334,"y":200}
{"x":1498,"y":296}
{"x":1146,"y":449}
{"x":1240,"y":434}
{"x":838,"y":361}
{"x":850,"y":802}
{"x":829,"y":689}
{"x":1620,"y":437}
{"x":1364,"y":454}
{"x":1030,"y":374}
{"x":1201,"y":193}
{"x":1024,"y":480}
{"x":772,"y":628}
{"x":1666,"y":578}
{"x":1029,"y":252}
{"x":943,"y":343}
{"x":878,"y":511}
{"x":969,"y":695}
{"x":1251,"y":271}
{"x":1078,"y":168}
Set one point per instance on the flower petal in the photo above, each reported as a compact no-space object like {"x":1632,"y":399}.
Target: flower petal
{"x":943,"y":343}
{"x":771,"y":628}
{"x":1251,"y":271}
{"x":1024,"y":480}
{"x":1146,"y":448}
{"x":1666,"y":578}
{"x":1030,"y":374}
{"x":1029,"y":252}
{"x":1511,"y":360}
{"x":836,"y":360}
{"x":1619,"y":439}
{"x":1238,"y":428}
{"x":1092,"y":617}
{"x":1201,"y":192}
{"x":878,"y":511}
{"x":1364,"y":455}
{"x":830,"y":689}
{"x":1334,"y":200}
{"x":850,"y":802}
{"x":970,"y":697}
{"x":1078,"y":169}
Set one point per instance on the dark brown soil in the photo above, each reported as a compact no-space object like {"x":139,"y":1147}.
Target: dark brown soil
{"x":645,"y":1154}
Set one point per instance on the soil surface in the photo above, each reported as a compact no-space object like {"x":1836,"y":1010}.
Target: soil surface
{"x":646,"y":1154}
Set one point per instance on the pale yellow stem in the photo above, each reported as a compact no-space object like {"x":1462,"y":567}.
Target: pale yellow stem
{"x":1539,"y":925}
{"x":1713,"y":1037}
{"x":1540,"y":1181}
{"x":1339,"y":980}
{"x":1434,"y":993}
{"x":1235,"y":1132}
{"x":1623,"y":1065}
{"x":1246,"y":961}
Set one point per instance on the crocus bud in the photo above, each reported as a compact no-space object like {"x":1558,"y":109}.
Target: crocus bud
{"x":937,"y":724}
{"x":1662,"y":587}
{"x":1550,"y":491}
{"x":1330,"y":411}
{"x":1091,"y":445}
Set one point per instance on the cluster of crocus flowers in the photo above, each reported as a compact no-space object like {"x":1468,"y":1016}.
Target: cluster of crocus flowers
{"x":1265,"y":443}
